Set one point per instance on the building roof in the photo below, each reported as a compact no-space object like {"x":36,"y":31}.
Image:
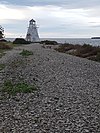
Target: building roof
{"x":32,"y":20}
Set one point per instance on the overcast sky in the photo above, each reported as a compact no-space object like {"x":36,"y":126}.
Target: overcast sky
{"x":55,"y":18}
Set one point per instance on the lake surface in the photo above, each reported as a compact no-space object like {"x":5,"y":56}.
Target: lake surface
{"x":94,"y":42}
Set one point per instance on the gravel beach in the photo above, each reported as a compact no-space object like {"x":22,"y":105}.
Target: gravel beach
{"x":67,"y":99}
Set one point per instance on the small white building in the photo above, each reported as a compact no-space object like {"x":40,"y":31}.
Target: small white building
{"x":32,"y":33}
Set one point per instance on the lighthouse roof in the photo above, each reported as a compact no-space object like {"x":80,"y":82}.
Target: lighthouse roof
{"x":32,"y":20}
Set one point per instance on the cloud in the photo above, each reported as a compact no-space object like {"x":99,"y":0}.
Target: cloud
{"x":72,"y":4}
{"x":54,"y":20}
{"x":14,"y":34}
{"x":10,"y":13}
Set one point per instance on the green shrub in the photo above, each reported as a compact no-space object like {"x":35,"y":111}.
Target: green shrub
{"x":86,"y":48}
{"x":98,"y":57}
{"x":1,"y":32}
{"x":26,"y":53}
{"x":4,"y":45}
{"x":65,"y":47}
{"x":20,"y":41}
{"x":85,"y":51}
{"x":2,"y":53}
{"x":13,"y":89}
{"x":61,"y":48}
{"x":47,"y":42}
{"x":2,"y":66}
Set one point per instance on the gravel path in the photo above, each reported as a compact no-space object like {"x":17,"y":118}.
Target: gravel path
{"x":67,"y":99}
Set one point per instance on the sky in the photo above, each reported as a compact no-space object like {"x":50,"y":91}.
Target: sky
{"x":55,"y":18}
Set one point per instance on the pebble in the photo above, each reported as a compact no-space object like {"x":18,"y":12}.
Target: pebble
{"x":67,"y":99}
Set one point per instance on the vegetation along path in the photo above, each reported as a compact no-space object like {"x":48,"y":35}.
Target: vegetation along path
{"x":44,"y":91}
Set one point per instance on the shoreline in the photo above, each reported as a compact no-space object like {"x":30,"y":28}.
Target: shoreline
{"x":73,"y":40}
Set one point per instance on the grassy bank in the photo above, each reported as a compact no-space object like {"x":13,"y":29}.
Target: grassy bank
{"x":85,"y":51}
{"x":4,"y":46}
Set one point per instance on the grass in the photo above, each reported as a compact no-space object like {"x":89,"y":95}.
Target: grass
{"x":97,"y":58}
{"x":2,"y":66}
{"x":2,"y":53}
{"x":22,"y":87}
{"x":84,"y":51}
{"x":17,"y":63}
{"x":5,"y":46}
{"x":26,"y":53}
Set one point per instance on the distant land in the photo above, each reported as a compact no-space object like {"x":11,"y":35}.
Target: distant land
{"x":95,"y":37}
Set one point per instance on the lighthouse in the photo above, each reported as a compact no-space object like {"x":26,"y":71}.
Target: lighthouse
{"x":32,"y":33}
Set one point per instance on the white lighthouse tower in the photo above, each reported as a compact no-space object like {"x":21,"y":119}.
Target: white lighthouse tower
{"x":32,"y":33}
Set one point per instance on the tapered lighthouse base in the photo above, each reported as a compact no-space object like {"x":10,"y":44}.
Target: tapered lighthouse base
{"x":32,"y":33}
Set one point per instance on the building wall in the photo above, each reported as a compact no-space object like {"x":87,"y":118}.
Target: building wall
{"x":32,"y":30}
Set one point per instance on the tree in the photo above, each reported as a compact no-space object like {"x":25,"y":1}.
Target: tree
{"x":1,"y":32}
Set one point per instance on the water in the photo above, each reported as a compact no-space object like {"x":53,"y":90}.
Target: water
{"x":81,"y":41}
{"x":10,"y":39}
